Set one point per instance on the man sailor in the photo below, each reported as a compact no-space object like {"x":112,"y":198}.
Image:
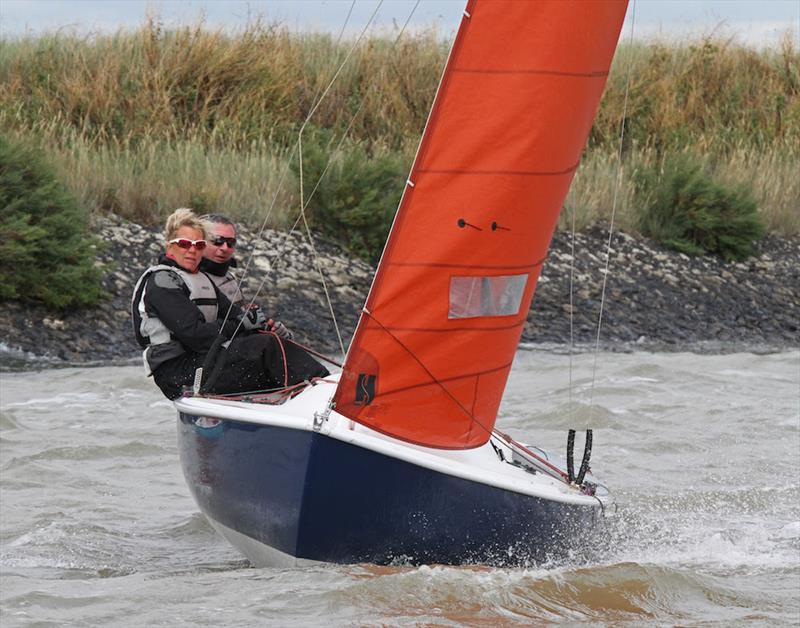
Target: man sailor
{"x":218,"y":259}
{"x":178,"y":313}
{"x":218,"y":262}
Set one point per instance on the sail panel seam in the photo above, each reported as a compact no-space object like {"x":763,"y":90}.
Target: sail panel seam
{"x":590,"y":75}
{"x":434,"y":381}
{"x":440,"y":382}
{"x":422,"y":150}
{"x":515,"y":173}
{"x":470,"y":266}
{"x":451,"y":329}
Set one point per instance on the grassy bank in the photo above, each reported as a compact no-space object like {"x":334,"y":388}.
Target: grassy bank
{"x":142,"y":122}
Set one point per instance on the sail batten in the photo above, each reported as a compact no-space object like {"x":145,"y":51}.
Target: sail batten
{"x":431,"y":354}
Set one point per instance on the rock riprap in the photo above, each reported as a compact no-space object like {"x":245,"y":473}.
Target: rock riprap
{"x":654,"y":298}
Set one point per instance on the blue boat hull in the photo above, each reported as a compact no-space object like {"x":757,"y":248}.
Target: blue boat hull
{"x":313,"y":497}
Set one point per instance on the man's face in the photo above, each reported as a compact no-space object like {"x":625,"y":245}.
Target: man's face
{"x":188,"y":258}
{"x":223,"y":251}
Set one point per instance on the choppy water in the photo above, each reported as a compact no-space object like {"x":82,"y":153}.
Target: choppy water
{"x":702,"y":452}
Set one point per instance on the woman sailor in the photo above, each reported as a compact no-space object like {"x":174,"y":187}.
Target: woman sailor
{"x":178,"y":313}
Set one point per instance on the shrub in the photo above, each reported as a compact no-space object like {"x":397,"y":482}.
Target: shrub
{"x":357,"y":198}
{"x":684,"y":208}
{"x":45,"y":252}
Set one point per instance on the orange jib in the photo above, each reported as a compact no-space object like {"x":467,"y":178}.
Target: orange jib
{"x":431,"y":354}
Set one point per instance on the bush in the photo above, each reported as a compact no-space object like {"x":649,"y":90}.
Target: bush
{"x":682,"y":207}
{"x":357,"y":198}
{"x":46,"y":254}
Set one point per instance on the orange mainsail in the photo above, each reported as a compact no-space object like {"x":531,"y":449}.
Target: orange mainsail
{"x":434,"y":345}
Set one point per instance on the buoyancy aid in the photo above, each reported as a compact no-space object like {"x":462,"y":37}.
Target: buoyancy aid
{"x":229,"y":286}
{"x":151,"y":334}
{"x":223,"y":277}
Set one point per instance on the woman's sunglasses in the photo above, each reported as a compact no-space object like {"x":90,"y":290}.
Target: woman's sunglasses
{"x":220,"y":240}
{"x":184,"y":243}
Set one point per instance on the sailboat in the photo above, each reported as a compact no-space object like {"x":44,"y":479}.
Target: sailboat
{"x":397,"y":458}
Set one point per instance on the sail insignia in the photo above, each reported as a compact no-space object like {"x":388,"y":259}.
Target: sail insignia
{"x":365,"y":389}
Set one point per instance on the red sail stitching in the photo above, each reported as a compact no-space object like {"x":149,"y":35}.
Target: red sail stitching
{"x":515,"y":173}
{"x":590,"y":74}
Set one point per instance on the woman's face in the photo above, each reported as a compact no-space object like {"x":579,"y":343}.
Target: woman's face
{"x":187,"y":258}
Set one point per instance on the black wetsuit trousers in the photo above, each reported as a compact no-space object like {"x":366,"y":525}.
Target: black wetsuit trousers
{"x":252,"y":363}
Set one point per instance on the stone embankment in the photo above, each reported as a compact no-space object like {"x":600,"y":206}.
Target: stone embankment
{"x":655,"y":299}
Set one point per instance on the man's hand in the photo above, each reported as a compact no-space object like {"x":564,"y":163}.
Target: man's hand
{"x":254,"y":318}
{"x":280,"y":330}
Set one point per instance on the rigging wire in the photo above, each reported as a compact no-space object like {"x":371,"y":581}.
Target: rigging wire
{"x":491,"y":432}
{"x":314,"y":250}
{"x":617,"y":187}
{"x":303,"y":205}
{"x":346,"y":20}
{"x":587,"y":448}
{"x":315,"y":102}
{"x":571,"y":432}
{"x":286,"y":167}
{"x":278,"y":188}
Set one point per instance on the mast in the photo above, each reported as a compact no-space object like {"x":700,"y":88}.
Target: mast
{"x":433,"y":348}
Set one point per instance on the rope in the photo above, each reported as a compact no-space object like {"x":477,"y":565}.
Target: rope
{"x":316,"y":354}
{"x":279,"y":340}
{"x":571,"y":432}
{"x":252,"y":395}
{"x":553,"y":470}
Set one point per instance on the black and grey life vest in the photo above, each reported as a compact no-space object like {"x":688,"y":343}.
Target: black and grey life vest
{"x":151,"y":334}
{"x":229,"y":286}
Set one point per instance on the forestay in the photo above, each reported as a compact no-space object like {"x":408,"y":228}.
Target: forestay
{"x":433,"y":348}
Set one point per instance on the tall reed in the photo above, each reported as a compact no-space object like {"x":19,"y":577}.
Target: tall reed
{"x":770,"y":174}
{"x":141,"y":121}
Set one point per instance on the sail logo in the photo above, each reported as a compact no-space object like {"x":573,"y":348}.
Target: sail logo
{"x":365,"y":389}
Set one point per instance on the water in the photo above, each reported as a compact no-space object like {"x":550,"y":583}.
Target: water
{"x":97,"y":526}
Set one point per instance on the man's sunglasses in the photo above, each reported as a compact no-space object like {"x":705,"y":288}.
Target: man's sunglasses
{"x":184,"y":243}
{"x":220,"y":240}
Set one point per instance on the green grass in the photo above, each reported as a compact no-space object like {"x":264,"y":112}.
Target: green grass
{"x":682,"y":205}
{"x":771,"y":176}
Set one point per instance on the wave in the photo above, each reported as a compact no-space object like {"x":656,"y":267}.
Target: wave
{"x":629,"y":592}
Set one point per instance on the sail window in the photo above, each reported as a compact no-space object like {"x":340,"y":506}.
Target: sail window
{"x":486,"y":296}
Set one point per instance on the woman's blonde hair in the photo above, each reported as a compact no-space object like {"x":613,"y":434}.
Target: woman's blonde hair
{"x":184,"y":217}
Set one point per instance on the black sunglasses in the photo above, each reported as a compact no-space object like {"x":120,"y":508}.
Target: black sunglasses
{"x":220,"y":240}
